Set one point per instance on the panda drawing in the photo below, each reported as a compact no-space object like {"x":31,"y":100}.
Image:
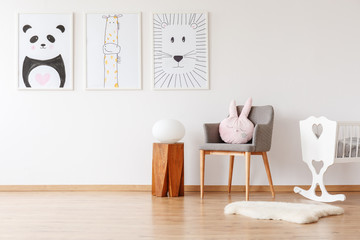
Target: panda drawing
{"x":43,"y":65}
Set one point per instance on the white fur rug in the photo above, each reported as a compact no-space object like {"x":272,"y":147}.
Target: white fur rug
{"x":291,"y":212}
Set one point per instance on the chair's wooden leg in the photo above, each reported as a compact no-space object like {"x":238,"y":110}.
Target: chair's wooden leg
{"x":267,"y":168}
{"x":247,"y":167}
{"x":231,"y":167}
{"x":202,"y":170}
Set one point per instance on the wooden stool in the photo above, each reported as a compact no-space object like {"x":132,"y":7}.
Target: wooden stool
{"x":168,"y":169}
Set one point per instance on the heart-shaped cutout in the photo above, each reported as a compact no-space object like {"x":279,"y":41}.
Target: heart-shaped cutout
{"x":317,"y":130}
{"x":42,"y":79}
{"x":318,"y":165}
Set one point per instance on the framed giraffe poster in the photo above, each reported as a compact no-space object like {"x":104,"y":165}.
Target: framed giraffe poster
{"x":180,"y":51}
{"x":113,"y":51}
{"x":45,"y":52}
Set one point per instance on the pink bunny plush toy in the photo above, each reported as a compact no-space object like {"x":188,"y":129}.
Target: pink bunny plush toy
{"x":236,"y":129}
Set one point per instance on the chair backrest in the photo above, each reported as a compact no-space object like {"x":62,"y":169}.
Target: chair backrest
{"x":260,"y":114}
{"x":263,"y":119}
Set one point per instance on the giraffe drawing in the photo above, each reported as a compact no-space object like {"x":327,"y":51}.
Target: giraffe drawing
{"x":111,"y":51}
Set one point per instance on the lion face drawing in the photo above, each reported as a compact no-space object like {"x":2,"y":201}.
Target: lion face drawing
{"x":180,"y":51}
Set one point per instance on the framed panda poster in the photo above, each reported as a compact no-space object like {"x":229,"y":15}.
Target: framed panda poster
{"x":180,"y":51}
{"x":113,"y":51}
{"x":45,"y":51}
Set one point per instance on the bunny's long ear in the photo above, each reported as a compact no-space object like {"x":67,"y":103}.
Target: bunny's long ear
{"x":247,"y":107}
{"x":232,"y":109}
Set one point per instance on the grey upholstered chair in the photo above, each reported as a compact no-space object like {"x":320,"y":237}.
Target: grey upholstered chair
{"x":263,"y":119}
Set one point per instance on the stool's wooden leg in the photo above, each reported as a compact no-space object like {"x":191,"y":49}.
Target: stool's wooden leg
{"x":231,"y":167}
{"x":247,"y":167}
{"x":153,"y":178}
{"x":202,"y":170}
{"x":267,"y":168}
{"x":182,"y":190}
{"x":160,"y":153}
{"x":175,"y":168}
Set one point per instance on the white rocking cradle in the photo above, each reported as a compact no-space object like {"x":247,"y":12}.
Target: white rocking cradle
{"x":329,"y":142}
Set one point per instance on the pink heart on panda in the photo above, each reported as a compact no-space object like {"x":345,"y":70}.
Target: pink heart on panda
{"x":42,"y":79}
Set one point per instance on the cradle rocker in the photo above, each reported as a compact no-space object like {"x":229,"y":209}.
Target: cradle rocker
{"x":317,"y":144}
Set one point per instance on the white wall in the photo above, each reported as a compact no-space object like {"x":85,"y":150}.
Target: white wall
{"x":302,"y":57}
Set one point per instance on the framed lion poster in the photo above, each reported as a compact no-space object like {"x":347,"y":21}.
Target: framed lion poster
{"x":180,"y":51}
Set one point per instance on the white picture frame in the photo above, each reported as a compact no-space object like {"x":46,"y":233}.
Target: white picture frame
{"x":113,"y":63}
{"x":45,"y":51}
{"x":180,"y":51}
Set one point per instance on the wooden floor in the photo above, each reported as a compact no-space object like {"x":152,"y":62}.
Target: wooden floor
{"x":138,"y":215}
